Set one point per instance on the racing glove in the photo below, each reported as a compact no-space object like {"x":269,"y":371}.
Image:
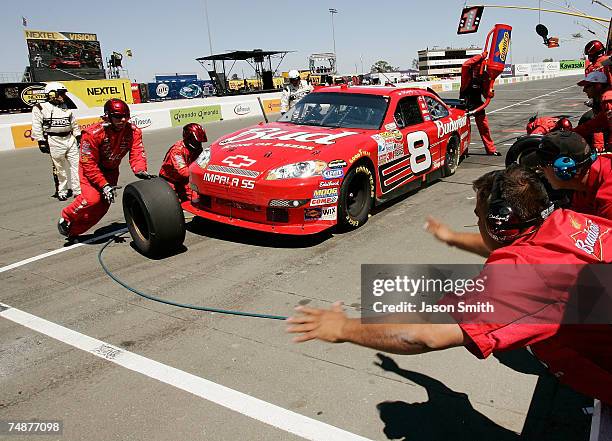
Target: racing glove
{"x":44,"y":147}
{"x":109,"y":193}
{"x":144,"y":175}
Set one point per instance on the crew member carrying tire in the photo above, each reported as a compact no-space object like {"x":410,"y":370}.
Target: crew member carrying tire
{"x":175,"y":168}
{"x":102,"y":148}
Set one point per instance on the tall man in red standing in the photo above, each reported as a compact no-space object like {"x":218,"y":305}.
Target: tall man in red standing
{"x":475,"y":84}
{"x":103,"y":146}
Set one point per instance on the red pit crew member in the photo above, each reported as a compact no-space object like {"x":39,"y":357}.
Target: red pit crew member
{"x":568,"y":163}
{"x":598,"y":129}
{"x":103,"y":147}
{"x":474,"y":86}
{"x":595,"y":52}
{"x":518,"y":223}
{"x":175,"y":168}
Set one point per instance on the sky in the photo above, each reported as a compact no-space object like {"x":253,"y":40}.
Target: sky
{"x":166,"y":36}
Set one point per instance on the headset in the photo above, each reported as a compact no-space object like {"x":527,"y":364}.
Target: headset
{"x":566,"y":167}
{"x":503,"y":225}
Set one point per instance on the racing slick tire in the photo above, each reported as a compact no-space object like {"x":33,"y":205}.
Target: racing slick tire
{"x":451,"y":159}
{"x":356,"y":198}
{"x":523,"y":151}
{"x":154,"y":217}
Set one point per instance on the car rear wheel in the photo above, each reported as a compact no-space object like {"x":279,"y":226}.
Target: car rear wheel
{"x":451,"y":159}
{"x":356,"y":198}
{"x":154,"y":217}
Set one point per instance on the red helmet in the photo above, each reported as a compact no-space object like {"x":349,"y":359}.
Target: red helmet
{"x":116,"y":107}
{"x":594,"y":48}
{"x":194,"y":135}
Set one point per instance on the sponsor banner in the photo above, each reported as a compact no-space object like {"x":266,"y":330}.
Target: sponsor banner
{"x":20,"y":97}
{"x":200,"y":114}
{"x":507,"y":72}
{"x":571,"y":64}
{"x":94,"y":93}
{"x":436,"y":87}
{"x":22,"y":133}
{"x":61,"y":56}
{"x":544,"y":68}
{"x":522,"y":69}
{"x":271,"y":106}
{"x":174,"y":90}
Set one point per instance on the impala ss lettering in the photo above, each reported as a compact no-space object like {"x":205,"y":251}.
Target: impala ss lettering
{"x":451,"y":126}
{"x":286,"y":135}
{"x":226,"y":180}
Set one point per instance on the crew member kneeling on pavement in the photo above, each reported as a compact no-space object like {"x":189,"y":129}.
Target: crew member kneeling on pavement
{"x":55,"y":128}
{"x":518,"y":222}
{"x":103,"y":146}
{"x":474,"y":86}
{"x":568,"y":163}
{"x":295,"y":91}
{"x":175,"y":168}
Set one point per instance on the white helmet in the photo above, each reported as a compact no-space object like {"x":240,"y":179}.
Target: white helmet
{"x":54,"y":86}
{"x":294,"y":74}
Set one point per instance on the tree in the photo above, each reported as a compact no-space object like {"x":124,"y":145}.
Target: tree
{"x":547,"y":60}
{"x":382,"y":66}
{"x":415,"y":63}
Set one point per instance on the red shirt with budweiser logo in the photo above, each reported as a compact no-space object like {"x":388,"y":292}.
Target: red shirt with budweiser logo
{"x":597,"y":200}
{"x":543,"y":270}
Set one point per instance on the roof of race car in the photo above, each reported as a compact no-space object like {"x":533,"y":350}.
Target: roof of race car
{"x":372,"y":90}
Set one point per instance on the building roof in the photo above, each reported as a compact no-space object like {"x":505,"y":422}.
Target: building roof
{"x":240,"y":55}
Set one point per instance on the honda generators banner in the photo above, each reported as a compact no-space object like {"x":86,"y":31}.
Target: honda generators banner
{"x":175,"y":90}
{"x":61,"y":56}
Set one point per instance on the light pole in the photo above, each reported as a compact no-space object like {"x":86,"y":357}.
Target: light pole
{"x":208,"y":26}
{"x":333,"y":11}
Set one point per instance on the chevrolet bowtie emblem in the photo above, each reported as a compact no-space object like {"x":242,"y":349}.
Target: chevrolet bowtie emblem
{"x":239,"y":161}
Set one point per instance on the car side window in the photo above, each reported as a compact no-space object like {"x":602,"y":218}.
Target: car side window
{"x":407,"y":112}
{"x":437,"y":110}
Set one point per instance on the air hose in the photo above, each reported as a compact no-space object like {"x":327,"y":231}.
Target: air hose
{"x":180,"y":305}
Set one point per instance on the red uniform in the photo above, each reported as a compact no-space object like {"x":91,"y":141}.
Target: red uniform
{"x":580,"y":355}
{"x":597,"y":200}
{"x":475,"y":86}
{"x":102,"y":149}
{"x":597,"y":65}
{"x":598,"y":129}
{"x":175,"y":168}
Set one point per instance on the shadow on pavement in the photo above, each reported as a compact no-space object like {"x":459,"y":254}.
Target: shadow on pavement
{"x":555,"y":412}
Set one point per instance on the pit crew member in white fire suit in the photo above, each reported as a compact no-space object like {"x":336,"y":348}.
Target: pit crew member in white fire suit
{"x":295,"y":91}
{"x":55,"y":128}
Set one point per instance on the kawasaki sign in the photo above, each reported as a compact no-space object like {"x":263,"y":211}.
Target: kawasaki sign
{"x":571,"y":64}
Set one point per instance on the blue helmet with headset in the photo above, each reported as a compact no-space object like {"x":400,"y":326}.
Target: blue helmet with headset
{"x":567,"y":153}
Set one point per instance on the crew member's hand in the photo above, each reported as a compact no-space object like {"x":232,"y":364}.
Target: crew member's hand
{"x":318,"y":324}
{"x":109,"y":193}
{"x":439,"y":230}
{"x":43,"y":146}
{"x":144,"y":175}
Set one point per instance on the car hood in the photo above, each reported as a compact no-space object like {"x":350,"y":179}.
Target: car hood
{"x":265,"y":146}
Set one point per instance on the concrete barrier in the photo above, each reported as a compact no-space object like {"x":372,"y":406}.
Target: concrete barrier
{"x":15,"y":129}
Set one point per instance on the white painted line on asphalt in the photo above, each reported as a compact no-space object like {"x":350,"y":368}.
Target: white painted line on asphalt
{"x":59,"y":250}
{"x":530,"y":99}
{"x":252,"y":407}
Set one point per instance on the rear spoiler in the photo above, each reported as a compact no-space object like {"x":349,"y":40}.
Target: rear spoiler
{"x":457,"y":103}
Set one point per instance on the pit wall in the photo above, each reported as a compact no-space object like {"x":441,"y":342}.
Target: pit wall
{"x":15,"y":129}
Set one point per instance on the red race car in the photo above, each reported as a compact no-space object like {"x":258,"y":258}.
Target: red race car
{"x":337,"y":153}
{"x":64,"y":62}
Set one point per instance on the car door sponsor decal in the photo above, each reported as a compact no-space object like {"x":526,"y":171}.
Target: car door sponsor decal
{"x":398,"y":171}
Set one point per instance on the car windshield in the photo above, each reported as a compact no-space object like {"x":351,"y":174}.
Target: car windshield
{"x":350,"y":110}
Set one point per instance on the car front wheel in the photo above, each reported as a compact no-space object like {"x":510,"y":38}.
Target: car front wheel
{"x":356,"y":198}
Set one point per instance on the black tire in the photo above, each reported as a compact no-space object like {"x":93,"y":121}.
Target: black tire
{"x":154,"y":217}
{"x":356,"y":198}
{"x":523,"y":151}
{"x":451,"y":159}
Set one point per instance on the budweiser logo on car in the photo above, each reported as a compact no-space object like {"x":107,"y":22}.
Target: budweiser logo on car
{"x":286,"y":135}
{"x":451,"y":126}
